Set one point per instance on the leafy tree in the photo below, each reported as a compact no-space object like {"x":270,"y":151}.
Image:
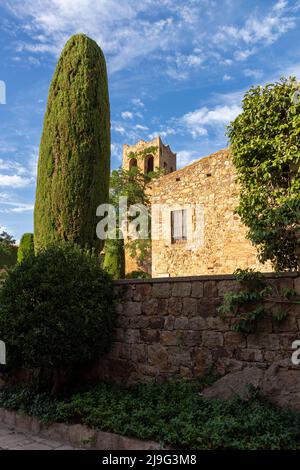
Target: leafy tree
{"x":133,"y":184}
{"x":74,"y":160}
{"x":26,"y":247}
{"x":8,"y":253}
{"x":56,"y":311}
{"x":6,"y":242}
{"x":265,"y":142}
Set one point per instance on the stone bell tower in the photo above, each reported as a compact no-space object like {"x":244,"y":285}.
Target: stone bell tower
{"x":149,"y":156}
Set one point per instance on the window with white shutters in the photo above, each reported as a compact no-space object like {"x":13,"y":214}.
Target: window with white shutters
{"x":179,"y":225}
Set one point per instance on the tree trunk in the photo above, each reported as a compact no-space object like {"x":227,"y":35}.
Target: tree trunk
{"x":59,"y":379}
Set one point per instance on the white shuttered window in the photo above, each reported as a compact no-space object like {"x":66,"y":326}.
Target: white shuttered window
{"x":179,"y":225}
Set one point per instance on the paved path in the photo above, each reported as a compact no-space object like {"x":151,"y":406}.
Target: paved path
{"x":11,"y":439}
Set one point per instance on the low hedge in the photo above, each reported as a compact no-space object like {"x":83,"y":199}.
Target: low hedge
{"x":174,"y":414}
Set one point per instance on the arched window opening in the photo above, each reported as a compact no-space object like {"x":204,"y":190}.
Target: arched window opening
{"x":132,"y":163}
{"x":149,"y":164}
{"x":165,"y":166}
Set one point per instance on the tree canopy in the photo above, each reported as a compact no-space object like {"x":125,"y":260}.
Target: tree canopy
{"x":265,"y":144}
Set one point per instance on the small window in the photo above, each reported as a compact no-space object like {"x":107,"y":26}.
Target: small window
{"x":149,"y":164}
{"x":179,"y":226}
{"x":171,"y":169}
{"x":132,"y":163}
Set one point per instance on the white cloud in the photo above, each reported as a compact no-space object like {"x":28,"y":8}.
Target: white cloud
{"x":280,"y":5}
{"x":185,"y":157}
{"x":242,"y":55}
{"x":141,"y":128}
{"x":129,"y":31}
{"x":263,"y":30}
{"x":118,"y":128}
{"x":120,"y":27}
{"x":137,"y":102}
{"x":12,"y":166}
{"x":33,"y":162}
{"x":22,"y":207}
{"x":253,"y":73}
{"x":4,"y":197}
{"x":180,"y":64}
{"x":162,"y":133}
{"x":13,"y":206}
{"x":267,"y":29}
{"x":227,"y":77}
{"x":177,"y":74}
{"x":14,"y":181}
{"x":116,"y":152}
{"x":127,"y":115}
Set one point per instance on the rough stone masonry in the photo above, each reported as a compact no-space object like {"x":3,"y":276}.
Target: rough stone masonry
{"x":171,"y":328}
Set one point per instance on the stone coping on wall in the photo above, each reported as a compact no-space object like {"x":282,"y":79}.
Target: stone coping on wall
{"x":77,"y":435}
{"x":214,"y":277}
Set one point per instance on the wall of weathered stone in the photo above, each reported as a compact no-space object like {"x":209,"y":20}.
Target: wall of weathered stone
{"x":218,"y":243}
{"x":170,"y":327}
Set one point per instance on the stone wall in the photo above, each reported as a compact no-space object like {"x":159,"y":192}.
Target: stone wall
{"x":217,"y":242}
{"x":170,"y":328}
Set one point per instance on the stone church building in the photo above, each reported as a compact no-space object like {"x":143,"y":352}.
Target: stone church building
{"x":194,"y":229}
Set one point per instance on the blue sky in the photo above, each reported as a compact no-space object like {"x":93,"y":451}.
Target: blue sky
{"x":176,"y":68}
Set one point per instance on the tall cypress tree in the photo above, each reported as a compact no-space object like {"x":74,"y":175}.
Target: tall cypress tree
{"x":74,"y":160}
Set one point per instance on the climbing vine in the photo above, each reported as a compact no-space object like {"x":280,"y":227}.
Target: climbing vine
{"x":256,"y":299}
{"x":143,"y":153}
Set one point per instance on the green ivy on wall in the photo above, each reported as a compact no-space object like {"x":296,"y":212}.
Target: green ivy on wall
{"x":143,"y":153}
{"x":256,"y":299}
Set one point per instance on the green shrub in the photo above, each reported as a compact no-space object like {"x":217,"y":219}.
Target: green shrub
{"x":74,"y":158}
{"x":256,"y":299}
{"x":8,"y":250}
{"x":264,"y":141}
{"x":26,"y":247}
{"x":114,"y":259}
{"x":9,"y":257}
{"x":56,"y":310}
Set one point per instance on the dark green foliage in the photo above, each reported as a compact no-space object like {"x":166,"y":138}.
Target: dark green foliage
{"x":26,"y":247}
{"x":114,"y":259}
{"x":74,"y":161}
{"x":174,"y":414}
{"x":265,"y":142}
{"x":8,"y":257}
{"x":8,"y":253}
{"x":131,"y":184}
{"x":6,"y":242}
{"x":256,"y":300}
{"x":56,"y":309}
